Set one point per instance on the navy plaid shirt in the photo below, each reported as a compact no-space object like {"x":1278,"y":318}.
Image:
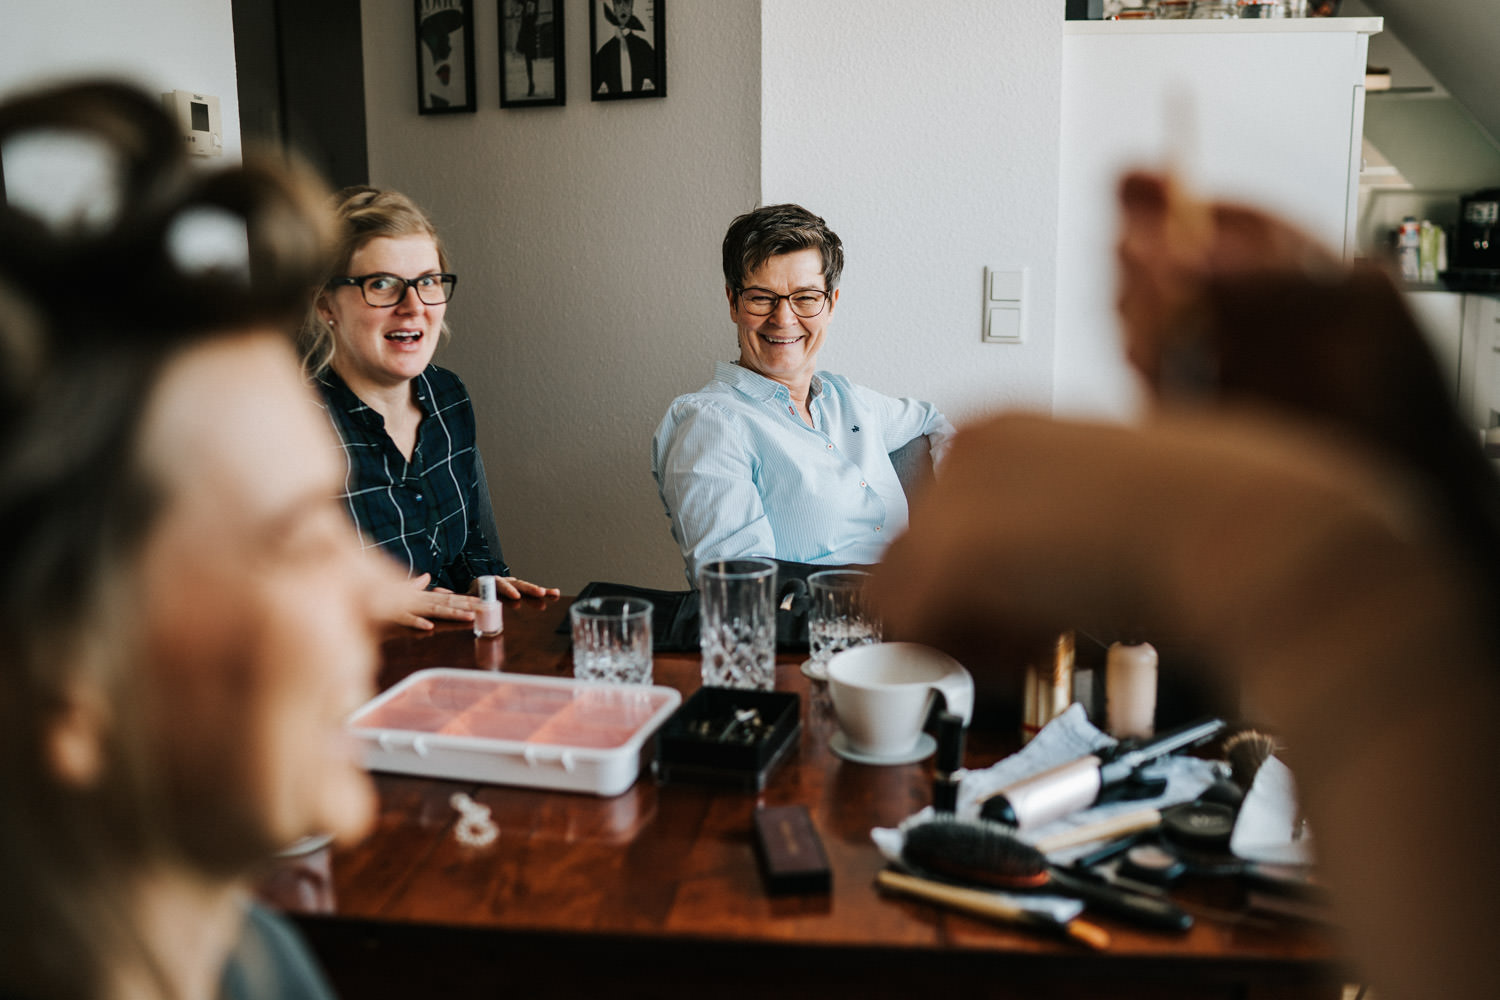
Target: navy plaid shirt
{"x":424,"y":512}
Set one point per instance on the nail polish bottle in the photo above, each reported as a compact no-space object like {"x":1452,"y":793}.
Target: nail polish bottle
{"x":487,"y":619}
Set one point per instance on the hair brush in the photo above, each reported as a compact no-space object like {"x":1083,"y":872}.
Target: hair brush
{"x":980,"y":903}
{"x":978,"y":852}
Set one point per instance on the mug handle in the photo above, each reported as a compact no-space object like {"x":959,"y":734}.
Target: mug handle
{"x":957,"y":689}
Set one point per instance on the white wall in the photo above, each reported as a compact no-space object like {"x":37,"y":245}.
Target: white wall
{"x":587,"y":242}
{"x":927,"y":135}
{"x":588,"y":236}
{"x":161,"y":45}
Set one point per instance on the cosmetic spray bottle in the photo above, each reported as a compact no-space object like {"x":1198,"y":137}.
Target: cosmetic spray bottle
{"x":487,"y":619}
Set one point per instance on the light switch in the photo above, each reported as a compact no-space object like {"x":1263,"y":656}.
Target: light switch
{"x":1004,"y":305}
{"x":1002,"y":325}
{"x":1008,"y":286}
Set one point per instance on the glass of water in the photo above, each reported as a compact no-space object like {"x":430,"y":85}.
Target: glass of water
{"x":838,"y":618}
{"x":612,"y":640}
{"x":738,"y":630}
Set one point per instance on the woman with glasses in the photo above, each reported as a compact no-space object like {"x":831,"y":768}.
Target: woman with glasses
{"x":774,"y":457}
{"x":406,"y":425}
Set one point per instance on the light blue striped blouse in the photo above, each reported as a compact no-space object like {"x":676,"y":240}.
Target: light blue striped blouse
{"x":742,"y":475}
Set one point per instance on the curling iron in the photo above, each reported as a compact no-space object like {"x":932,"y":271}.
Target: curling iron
{"x":1078,"y":784}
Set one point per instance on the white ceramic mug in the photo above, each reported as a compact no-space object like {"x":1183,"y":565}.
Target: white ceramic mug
{"x":882,"y":694}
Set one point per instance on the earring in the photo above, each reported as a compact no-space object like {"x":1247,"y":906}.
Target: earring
{"x":475,"y":828}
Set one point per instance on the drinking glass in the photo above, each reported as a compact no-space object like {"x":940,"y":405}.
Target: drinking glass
{"x":839,"y":617}
{"x":1129,"y":10}
{"x":1262,"y":8}
{"x":612,"y":640}
{"x":738,"y":623}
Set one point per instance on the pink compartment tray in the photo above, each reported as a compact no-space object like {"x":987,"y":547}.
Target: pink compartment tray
{"x":513,"y":729}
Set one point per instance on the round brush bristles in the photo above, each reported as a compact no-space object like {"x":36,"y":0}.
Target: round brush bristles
{"x":1246,"y":751}
{"x":974,"y":851}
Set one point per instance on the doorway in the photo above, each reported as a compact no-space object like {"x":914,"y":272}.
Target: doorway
{"x":301,"y":85}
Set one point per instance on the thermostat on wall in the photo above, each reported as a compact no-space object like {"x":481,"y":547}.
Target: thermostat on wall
{"x":197,"y":118}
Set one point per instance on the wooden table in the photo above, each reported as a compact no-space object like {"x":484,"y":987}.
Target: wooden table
{"x":656,"y":892}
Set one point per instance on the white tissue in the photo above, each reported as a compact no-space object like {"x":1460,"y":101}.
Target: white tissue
{"x":1269,"y":828}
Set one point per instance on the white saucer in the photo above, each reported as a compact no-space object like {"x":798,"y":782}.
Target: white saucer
{"x":925,"y":747}
{"x":814,"y":670}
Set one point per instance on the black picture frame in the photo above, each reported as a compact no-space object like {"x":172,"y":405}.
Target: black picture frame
{"x":445,"y":56}
{"x":645,"y":44}
{"x":533,"y":72}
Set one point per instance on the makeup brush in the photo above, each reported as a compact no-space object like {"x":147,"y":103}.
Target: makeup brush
{"x":1246,"y":751}
{"x":978,"y":852}
{"x":979,"y":903}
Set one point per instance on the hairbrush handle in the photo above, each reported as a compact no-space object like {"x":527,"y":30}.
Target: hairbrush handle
{"x":1124,"y":823}
{"x":987,"y":904}
{"x":1149,"y":911}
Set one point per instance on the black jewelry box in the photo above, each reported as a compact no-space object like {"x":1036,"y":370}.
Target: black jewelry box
{"x":713,"y":737}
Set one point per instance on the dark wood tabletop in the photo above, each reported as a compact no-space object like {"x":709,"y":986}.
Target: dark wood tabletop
{"x":657,"y":893}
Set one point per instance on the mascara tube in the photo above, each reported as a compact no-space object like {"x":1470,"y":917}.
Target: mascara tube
{"x":950,"y":762}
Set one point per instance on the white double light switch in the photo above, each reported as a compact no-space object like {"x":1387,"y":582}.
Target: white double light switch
{"x":1004,"y":305}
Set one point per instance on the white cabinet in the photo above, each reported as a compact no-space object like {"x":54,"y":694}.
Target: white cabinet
{"x":1441,"y":316}
{"x":1265,"y":112}
{"x":1464,"y":331}
{"x":1479,"y":362}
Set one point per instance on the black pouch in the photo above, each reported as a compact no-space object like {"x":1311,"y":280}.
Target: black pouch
{"x":674,"y":614}
{"x":674,"y":618}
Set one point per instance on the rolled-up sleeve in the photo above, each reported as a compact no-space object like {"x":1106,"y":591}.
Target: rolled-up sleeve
{"x":906,"y":419}
{"x":705,"y":471}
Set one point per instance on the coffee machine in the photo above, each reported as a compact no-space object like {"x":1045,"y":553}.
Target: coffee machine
{"x":1474,"y":257}
{"x":1477,"y":243}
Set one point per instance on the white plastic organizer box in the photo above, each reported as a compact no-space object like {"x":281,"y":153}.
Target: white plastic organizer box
{"x":513,"y":729}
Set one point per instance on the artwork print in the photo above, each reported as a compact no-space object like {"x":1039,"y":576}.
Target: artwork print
{"x":445,"y":56}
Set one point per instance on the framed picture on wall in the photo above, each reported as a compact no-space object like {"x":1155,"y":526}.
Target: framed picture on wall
{"x":445,"y":56}
{"x":531,"y":54}
{"x":628,"y":43}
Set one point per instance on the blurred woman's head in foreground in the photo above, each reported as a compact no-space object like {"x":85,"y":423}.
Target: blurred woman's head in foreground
{"x":188,"y":614}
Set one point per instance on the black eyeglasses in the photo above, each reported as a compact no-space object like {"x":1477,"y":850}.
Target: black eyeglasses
{"x":806,"y":302}
{"x":385,"y":290}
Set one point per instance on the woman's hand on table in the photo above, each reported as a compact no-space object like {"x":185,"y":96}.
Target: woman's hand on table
{"x":413,"y":605}
{"x":511,"y":587}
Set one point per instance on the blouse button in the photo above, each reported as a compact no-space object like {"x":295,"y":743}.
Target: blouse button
{"x":418,"y":498}
{"x":862,"y":483}
{"x":877,"y":527}
{"x":830,"y":447}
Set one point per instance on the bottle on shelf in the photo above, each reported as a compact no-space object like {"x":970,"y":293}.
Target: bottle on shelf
{"x":1409,"y":249}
